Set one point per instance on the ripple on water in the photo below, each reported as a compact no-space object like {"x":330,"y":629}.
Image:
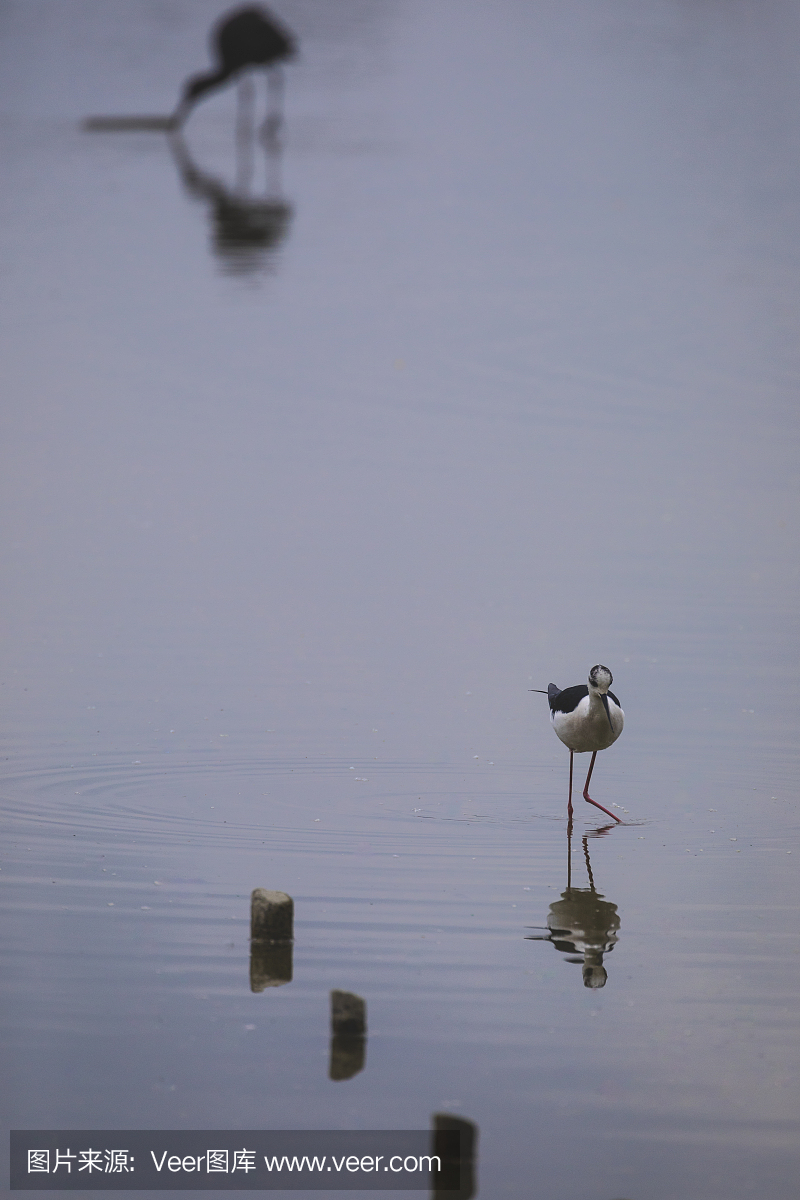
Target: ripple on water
{"x":203,"y":799}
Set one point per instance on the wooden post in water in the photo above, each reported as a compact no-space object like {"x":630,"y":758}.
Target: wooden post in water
{"x":456,"y":1180}
{"x":271,"y":938}
{"x":271,"y":917}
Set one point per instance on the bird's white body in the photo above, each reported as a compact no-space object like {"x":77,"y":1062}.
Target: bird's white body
{"x":588,"y":727}
{"x":587,"y":718}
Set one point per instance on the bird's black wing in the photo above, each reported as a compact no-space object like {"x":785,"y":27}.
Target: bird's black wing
{"x":568,"y":700}
{"x":614,"y":698}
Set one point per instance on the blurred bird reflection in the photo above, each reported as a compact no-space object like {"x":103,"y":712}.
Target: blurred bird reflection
{"x":246,"y":228}
{"x":583,"y":925}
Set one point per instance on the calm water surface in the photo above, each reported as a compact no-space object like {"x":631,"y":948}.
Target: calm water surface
{"x":314,"y":462}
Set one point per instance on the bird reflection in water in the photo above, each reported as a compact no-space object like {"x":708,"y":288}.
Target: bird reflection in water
{"x":583,"y":925}
{"x":246,"y":229}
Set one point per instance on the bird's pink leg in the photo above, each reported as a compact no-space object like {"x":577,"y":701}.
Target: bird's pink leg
{"x":569,"y":802}
{"x":586,"y":795}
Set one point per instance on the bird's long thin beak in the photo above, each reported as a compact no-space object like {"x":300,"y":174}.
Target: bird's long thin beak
{"x":604,"y":698}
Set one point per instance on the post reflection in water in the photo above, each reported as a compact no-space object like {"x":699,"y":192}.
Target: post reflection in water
{"x":246,"y":229}
{"x":270,"y":966}
{"x":583,"y":925}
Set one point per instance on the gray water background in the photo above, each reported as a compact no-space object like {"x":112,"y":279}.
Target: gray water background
{"x":290,"y":530}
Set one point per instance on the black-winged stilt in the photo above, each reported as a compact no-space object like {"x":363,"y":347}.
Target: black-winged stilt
{"x":248,"y":37}
{"x":586,"y":718}
{"x":245,"y":38}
